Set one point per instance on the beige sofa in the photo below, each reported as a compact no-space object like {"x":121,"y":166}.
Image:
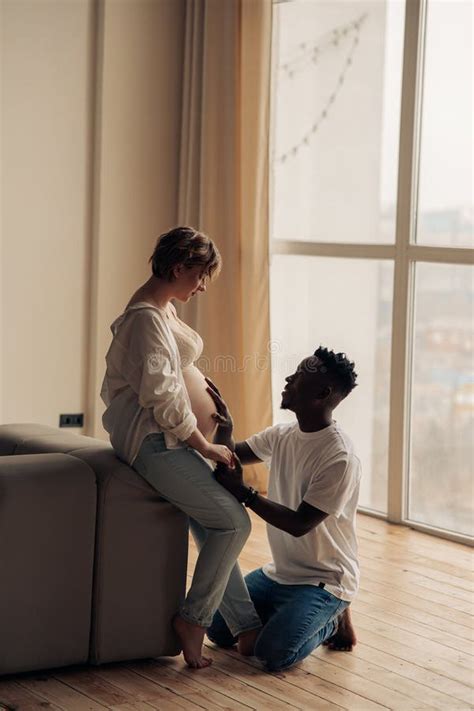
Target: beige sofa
{"x":92,"y":560}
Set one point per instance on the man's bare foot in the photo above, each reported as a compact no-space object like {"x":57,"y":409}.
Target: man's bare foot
{"x":191,"y":638}
{"x":345,"y":637}
{"x":246,"y":642}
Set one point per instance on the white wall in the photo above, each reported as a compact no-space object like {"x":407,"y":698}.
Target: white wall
{"x":90,"y":111}
{"x":45,"y":48}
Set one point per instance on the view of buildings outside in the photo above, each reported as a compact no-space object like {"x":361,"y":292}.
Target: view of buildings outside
{"x":336,"y":118}
{"x":442,"y":423}
{"x":445,"y":188}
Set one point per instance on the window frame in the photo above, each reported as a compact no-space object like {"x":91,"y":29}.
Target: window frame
{"x":404,"y":254}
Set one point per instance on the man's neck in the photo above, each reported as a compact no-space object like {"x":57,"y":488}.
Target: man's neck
{"x":314,"y":421}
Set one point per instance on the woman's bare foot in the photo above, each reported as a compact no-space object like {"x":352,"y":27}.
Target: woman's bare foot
{"x":246,"y":642}
{"x":345,"y":637}
{"x":191,"y":637}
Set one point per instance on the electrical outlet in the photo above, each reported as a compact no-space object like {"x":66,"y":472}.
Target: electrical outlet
{"x":71,"y":420}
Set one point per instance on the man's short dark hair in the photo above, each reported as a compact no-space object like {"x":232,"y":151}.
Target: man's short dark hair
{"x":339,"y":369}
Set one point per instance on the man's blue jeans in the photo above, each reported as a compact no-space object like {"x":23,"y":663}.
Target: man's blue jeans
{"x":296,"y":619}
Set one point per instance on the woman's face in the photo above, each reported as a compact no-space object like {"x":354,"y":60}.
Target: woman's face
{"x":189,"y":282}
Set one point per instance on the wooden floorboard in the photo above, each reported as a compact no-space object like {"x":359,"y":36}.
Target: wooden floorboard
{"x":414,"y":617}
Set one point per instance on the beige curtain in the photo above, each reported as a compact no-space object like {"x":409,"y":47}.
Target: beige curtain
{"x":223,"y":190}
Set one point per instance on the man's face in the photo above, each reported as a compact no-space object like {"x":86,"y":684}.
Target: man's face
{"x":302,"y":386}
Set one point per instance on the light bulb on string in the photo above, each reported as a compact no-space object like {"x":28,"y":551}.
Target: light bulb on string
{"x":313,"y":57}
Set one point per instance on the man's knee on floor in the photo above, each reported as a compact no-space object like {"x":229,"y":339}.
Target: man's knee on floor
{"x":279,"y":654}
{"x":274,"y":657}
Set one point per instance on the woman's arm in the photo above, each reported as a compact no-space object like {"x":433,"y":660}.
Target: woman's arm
{"x":217,"y":452}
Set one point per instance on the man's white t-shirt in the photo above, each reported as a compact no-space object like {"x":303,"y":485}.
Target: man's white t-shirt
{"x":321,"y":469}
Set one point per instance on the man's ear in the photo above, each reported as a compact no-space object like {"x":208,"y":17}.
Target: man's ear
{"x":324,"y":393}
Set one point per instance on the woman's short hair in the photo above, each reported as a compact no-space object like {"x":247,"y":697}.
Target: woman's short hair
{"x":187,"y":246}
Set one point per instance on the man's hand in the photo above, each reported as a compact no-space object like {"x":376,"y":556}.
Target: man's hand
{"x":232,"y":479}
{"x":296,"y":523}
{"x":222,"y":417}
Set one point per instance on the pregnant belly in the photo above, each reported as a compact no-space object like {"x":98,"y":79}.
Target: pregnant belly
{"x":202,"y":403}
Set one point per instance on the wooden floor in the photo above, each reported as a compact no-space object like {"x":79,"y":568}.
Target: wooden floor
{"x":413,"y":616}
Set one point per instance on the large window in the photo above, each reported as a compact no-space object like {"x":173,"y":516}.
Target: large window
{"x":347,"y":302}
{"x":442,"y":398}
{"x":371,"y":214}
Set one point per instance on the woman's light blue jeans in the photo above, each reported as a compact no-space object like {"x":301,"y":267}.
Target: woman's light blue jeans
{"x":296,"y":619}
{"x":219,"y":523}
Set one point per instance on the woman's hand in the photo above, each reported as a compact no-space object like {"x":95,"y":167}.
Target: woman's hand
{"x":219,"y":453}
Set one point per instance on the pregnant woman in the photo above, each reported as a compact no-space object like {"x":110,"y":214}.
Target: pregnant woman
{"x":160,"y":417}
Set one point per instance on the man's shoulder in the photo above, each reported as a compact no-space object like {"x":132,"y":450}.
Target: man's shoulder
{"x":336,"y":446}
{"x":278,"y":430}
{"x":265,"y":442}
{"x":343,"y":448}
{"x":342,"y":440}
{"x":286,"y":427}
{"x":283,"y":431}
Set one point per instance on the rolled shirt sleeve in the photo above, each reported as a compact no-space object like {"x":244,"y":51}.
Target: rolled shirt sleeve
{"x":158,"y":381}
{"x":262,"y":443}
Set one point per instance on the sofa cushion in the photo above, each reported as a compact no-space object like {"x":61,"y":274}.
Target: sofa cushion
{"x":47,"y":536}
{"x":140,"y":565}
{"x":140,"y":548}
{"x":12,"y":434}
{"x":58,"y":442}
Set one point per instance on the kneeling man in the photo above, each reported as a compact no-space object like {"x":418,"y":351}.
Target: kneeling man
{"x":302,"y":597}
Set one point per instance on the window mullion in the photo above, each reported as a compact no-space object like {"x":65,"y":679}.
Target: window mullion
{"x":443,"y":255}
{"x":403,"y":277}
{"x":346,"y":250}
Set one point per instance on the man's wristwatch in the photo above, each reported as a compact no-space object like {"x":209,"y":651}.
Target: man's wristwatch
{"x":250,"y":496}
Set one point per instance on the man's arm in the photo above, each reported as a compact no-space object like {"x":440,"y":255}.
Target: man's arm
{"x":296,"y":523}
{"x":246,"y":454}
{"x":225,"y":428}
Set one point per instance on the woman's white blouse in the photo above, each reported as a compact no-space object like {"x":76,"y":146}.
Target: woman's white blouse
{"x":143,"y":387}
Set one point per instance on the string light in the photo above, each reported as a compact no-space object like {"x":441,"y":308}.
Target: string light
{"x":310,"y":50}
{"x":309,"y":54}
